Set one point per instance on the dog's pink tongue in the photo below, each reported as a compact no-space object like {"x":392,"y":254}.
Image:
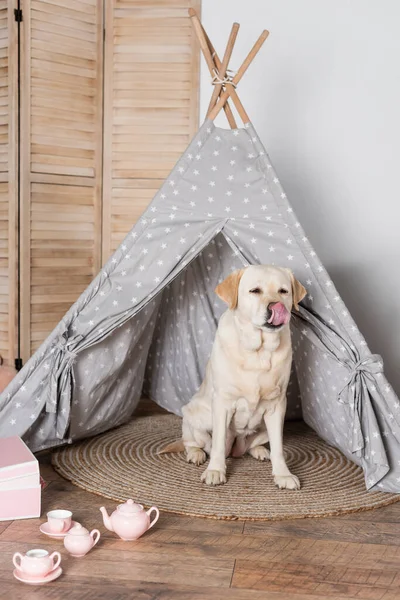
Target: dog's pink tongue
{"x":280,"y":315}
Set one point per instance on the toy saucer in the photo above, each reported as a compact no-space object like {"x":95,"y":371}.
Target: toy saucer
{"x":44,"y":528}
{"x":37,"y":580}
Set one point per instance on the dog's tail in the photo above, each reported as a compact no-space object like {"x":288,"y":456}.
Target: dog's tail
{"x":173,"y":447}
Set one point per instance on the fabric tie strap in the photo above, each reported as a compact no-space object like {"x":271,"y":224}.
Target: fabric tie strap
{"x":364,"y":371}
{"x":60,"y":384}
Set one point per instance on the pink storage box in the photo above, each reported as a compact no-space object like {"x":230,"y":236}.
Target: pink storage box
{"x":20,"y":487}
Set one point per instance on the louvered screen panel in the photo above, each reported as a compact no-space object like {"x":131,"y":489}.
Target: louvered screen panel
{"x":150,"y":104}
{"x":8,"y":184}
{"x":63,"y":154}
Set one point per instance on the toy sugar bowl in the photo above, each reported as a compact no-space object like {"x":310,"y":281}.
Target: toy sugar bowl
{"x":129,"y":520}
{"x":79,"y":541}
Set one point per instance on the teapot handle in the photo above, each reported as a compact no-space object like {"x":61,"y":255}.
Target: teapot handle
{"x":95,"y":535}
{"x":154,"y":521}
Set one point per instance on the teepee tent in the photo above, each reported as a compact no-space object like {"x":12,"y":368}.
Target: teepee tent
{"x":148,"y":320}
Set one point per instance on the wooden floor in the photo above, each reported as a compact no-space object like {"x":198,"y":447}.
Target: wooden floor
{"x":182,"y":558}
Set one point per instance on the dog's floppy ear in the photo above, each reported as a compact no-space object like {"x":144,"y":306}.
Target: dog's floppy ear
{"x":229,"y":288}
{"x":298,"y":291}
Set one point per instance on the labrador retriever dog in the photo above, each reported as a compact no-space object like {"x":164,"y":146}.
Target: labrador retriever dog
{"x":241,"y":403}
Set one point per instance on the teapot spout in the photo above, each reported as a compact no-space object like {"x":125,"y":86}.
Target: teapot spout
{"x":106,"y":519}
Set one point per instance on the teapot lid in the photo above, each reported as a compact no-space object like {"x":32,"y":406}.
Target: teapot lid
{"x":129,"y":507}
{"x":78,"y":529}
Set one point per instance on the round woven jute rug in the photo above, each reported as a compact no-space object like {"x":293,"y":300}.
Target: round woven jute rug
{"x":125,"y":463}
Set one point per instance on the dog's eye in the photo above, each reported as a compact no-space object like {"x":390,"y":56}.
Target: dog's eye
{"x":283,"y":291}
{"x":255,"y":291}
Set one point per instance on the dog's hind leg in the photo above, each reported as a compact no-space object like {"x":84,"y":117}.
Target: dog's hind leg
{"x":255,"y":445}
{"x":196,"y":442}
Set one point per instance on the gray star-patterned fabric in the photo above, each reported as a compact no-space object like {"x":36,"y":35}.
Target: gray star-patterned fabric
{"x":147,"y":321}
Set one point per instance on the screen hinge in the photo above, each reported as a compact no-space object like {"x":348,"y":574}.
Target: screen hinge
{"x":18,"y":15}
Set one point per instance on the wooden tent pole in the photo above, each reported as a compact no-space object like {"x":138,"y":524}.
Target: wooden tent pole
{"x":222,"y":67}
{"x":246,"y":63}
{"x":218,"y":64}
{"x":207,"y":55}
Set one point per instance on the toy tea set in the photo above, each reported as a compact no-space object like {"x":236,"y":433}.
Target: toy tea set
{"x":129,"y":521}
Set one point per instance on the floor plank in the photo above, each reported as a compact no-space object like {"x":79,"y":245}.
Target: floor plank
{"x":127,"y":566}
{"x":69,"y":588}
{"x":328,"y":581}
{"x":343,"y":530}
{"x":4,"y":525}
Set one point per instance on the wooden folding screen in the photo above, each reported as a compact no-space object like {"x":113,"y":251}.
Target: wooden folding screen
{"x":151,"y":66}
{"x":61,"y":119}
{"x":108,"y":102}
{"x":8,"y":182}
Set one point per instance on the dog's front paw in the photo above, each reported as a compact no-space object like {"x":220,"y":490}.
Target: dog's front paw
{"x":289,"y":482}
{"x":197,"y":456}
{"x":213,"y":477}
{"x":259,"y":453}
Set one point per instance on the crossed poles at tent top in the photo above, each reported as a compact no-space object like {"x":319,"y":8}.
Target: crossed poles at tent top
{"x":224,"y":83}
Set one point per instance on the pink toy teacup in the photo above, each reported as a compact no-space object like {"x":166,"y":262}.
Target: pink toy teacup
{"x":59,"y":520}
{"x":36,"y":563}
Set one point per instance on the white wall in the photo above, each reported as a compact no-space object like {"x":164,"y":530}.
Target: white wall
{"x":324,"y":96}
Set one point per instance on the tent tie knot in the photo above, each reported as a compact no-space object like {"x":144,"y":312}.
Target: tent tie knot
{"x":369,"y":366}
{"x":363,"y":371}
{"x":61,"y":362}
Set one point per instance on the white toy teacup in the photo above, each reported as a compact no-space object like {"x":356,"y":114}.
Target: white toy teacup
{"x":37,"y":563}
{"x":59,"y":520}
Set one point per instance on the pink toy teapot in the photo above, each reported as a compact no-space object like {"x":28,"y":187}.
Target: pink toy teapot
{"x":79,"y":541}
{"x":129,"y":520}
